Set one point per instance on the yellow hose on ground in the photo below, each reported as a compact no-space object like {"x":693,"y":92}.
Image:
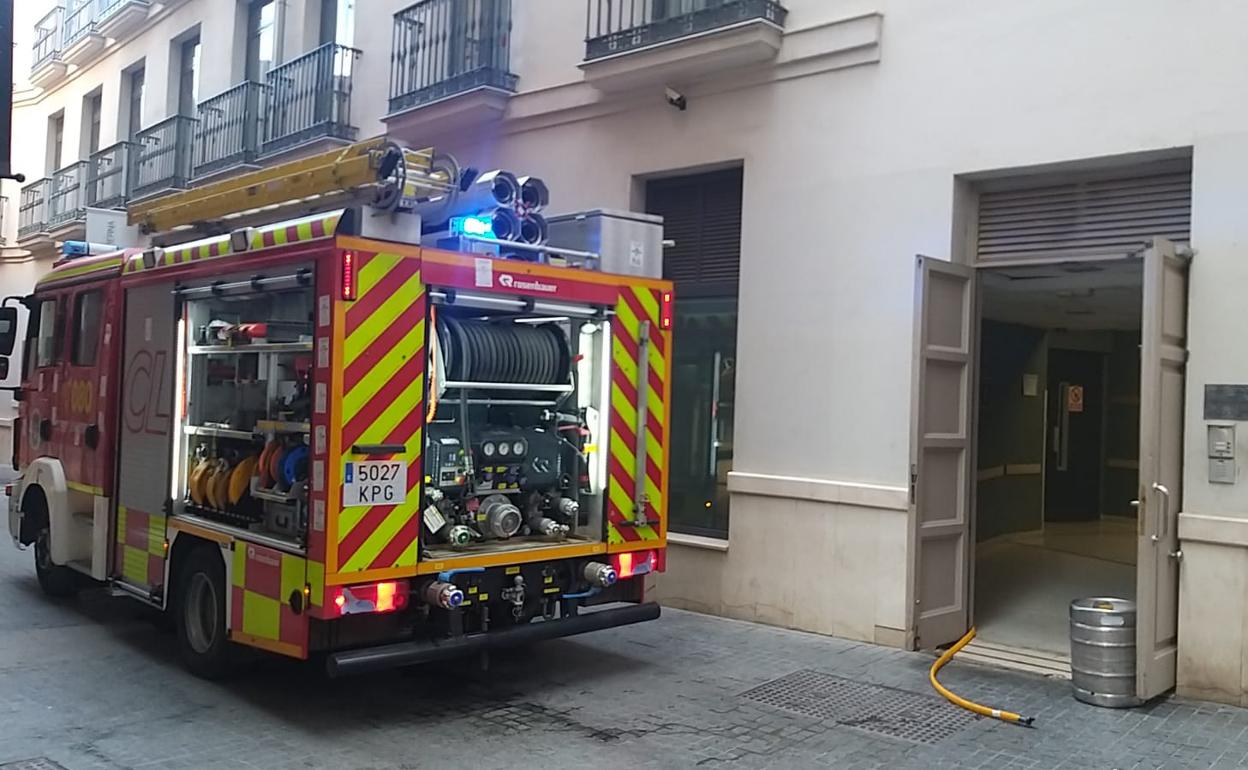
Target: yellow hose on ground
{"x":1004,"y":716}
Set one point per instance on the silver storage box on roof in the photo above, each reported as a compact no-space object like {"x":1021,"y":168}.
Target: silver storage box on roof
{"x":629,"y":242}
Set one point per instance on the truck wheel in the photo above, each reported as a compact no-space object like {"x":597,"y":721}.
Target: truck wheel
{"x":55,"y":580}
{"x":200,"y":615}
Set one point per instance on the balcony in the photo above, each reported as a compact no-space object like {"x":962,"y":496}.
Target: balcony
{"x":633,"y":43}
{"x":81,"y":40}
{"x":108,"y":176}
{"x":229,"y":129}
{"x":310,"y":99}
{"x":452,"y":53}
{"x":32,"y":210}
{"x":46,"y":65}
{"x":119,"y":18}
{"x":160,"y":159}
{"x":67,"y":202}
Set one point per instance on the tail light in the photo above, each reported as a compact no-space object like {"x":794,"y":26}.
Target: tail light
{"x":635,"y":563}
{"x":665,"y":311}
{"x":348,"y":275}
{"x":386,"y":596}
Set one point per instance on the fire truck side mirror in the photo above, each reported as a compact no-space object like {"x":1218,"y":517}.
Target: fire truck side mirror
{"x":8,"y":330}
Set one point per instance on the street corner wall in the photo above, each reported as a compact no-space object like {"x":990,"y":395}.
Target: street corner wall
{"x":1213,"y":522}
{"x":804,"y":554}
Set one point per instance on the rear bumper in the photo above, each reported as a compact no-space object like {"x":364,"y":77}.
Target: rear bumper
{"x":369,"y":659}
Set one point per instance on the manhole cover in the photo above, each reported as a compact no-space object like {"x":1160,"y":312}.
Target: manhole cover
{"x":883,"y":710}
{"x":41,"y":763}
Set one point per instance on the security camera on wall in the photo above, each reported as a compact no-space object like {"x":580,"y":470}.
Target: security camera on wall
{"x":676,"y":98}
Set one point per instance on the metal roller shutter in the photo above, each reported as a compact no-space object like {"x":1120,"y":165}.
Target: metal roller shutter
{"x":1092,"y":217}
{"x":702,"y":215}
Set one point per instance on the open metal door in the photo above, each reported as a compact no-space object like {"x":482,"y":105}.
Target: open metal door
{"x":941,"y":451}
{"x":1163,"y":356}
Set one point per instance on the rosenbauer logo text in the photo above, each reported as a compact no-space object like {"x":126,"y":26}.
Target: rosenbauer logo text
{"x":510,"y":282}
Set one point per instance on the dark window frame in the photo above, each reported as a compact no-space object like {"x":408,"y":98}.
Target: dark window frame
{"x":55,"y":355}
{"x":703,"y":212}
{"x":76,"y":357}
{"x":136,"y":80}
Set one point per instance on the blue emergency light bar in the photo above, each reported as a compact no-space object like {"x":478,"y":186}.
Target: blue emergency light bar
{"x":72,"y":249}
{"x":481,"y":226}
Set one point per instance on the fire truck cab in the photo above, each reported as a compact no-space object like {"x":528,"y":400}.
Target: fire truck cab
{"x":369,"y":431}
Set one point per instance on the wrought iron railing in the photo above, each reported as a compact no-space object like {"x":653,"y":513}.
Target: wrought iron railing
{"x":310,"y":98}
{"x":618,"y":26}
{"x":80,"y":18}
{"x":109,"y":7}
{"x":229,"y":128}
{"x":108,"y":176}
{"x":32,"y":208}
{"x":47,"y":45}
{"x":161,"y":157}
{"x":446,"y":47}
{"x":67,"y":200}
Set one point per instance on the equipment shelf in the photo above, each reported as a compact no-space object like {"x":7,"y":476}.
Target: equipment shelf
{"x":258,"y":347}
{"x":205,"y":430}
{"x":282,"y":426}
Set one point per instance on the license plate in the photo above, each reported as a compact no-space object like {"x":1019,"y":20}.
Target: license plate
{"x":374,"y":482}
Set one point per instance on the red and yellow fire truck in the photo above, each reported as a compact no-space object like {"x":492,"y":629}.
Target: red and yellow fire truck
{"x":317,"y":436}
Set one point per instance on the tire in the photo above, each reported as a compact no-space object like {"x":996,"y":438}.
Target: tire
{"x":55,"y":580}
{"x":199,"y":612}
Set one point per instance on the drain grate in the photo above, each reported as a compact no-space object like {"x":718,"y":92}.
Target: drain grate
{"x":39,"y":763}
{"x":882,"y":710}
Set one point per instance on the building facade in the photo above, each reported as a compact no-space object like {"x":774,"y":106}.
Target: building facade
{"x":864,"y":445}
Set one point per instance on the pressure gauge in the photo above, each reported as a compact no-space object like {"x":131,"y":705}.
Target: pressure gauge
{"x":503,"y":449}
{"x":517,"y":448}
{"x":488,"y":449}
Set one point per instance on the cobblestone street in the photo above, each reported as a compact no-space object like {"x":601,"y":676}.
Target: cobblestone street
{"x":93,"y":683}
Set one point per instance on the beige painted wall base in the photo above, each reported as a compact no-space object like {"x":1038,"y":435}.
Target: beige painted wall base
{"x":816,"y":565}
{"x":1213,"y":609}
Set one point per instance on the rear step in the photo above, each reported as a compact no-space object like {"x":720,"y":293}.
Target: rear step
{"x":1051,"y":664}
{"x":426,"y":651}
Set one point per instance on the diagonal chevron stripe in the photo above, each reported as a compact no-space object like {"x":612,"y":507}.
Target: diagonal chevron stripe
{"x":383,"y":393}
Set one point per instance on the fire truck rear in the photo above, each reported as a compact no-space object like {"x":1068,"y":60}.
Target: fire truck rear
{"x":375,"y":416}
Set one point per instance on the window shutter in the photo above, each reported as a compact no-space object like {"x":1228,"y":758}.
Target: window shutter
{"x":1084,"y":218}
{"x":702,"y":215}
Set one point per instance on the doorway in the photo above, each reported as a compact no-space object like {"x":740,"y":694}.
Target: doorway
{"x":952,"y":581}
{"x":1056,"y":447}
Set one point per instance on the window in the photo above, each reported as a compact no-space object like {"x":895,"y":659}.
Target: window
{"x":91,"y":109}
{"x":261,"y":39}
{"x":188,"y":76}
{"x":137,"y":88}
{"x":702,"y":215}
{"x":56,"y":141}
{"x":48,"y":347}
{"x":338,"y":22}
{"x":88,"y":310}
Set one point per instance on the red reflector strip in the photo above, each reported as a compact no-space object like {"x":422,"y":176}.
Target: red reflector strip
{"x":665,"y":311}
{"x":386,"y":596}
{"x":348,"y":275}
{"x":633,"y":563}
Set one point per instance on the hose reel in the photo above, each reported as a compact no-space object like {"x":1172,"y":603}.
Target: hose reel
{"x":482,"y":351}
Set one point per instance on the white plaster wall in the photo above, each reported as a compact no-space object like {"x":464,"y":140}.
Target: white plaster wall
{"x":848,"y":174}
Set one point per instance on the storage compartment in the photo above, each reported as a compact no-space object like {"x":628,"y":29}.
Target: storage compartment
{"x":515,"y":432}
{"x":246,"y":385}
